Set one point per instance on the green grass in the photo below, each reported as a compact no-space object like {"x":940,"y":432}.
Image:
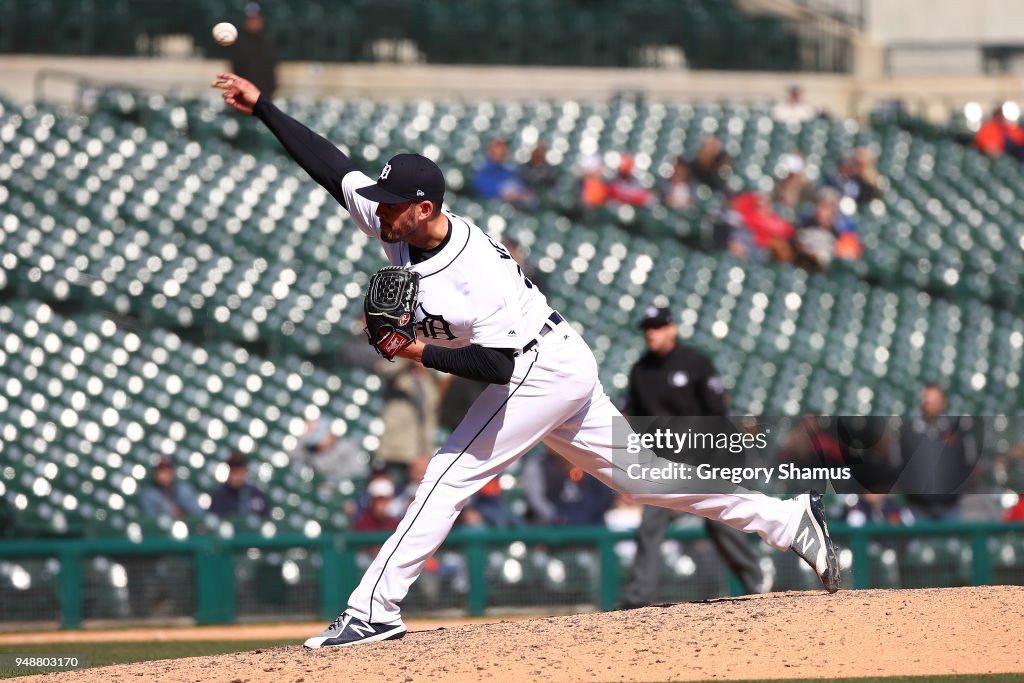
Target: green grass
{"x":103,"y":654}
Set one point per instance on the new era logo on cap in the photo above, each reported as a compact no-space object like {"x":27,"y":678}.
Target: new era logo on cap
{"x":407,"y":178}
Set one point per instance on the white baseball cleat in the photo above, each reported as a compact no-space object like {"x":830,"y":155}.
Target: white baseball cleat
{"x":347,"y":630}
{"x":813,"y":544}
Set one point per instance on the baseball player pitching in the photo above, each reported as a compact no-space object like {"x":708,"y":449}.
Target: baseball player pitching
{"x":477,"y":316}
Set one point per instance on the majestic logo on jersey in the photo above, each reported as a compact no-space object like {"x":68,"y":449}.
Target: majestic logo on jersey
{"x":386,"y":172}
{"x":403,"y":320}
{"x":433,"y":326}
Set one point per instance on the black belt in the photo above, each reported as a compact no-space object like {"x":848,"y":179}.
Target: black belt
{"x":553,"y":320}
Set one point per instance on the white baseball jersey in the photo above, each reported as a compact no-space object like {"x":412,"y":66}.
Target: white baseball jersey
{"x":473,"y":292}
{"x":495,"y":306}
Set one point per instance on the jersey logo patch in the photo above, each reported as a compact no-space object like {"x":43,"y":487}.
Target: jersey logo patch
{"x":433,"y":326}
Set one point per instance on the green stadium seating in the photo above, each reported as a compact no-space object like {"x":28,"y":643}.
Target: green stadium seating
{"x":143,"y":246}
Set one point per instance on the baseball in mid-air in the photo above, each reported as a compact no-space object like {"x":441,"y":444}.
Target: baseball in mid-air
{"x":225,"y":33}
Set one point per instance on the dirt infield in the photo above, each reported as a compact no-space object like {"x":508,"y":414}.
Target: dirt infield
{"x":780,"y":635}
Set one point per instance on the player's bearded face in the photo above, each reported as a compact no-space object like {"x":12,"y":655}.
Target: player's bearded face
{"x":397,"y":221}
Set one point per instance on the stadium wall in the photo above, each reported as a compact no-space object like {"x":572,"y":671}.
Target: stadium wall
{"x":58,"y":78}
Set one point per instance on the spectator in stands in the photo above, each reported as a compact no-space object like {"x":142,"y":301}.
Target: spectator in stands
{"x":712,"y":165}
{"x":808,"y":444}
{"x":379,"y":470}
{"x":379,"y":514}
{"x":593,"y":186}
{"x":151,"y":580}
{"x":237,"y":496}
{"x":496,"y":178}
{"x":762,"y":233}
{"x":856,"y":177}
{"x":252,"y":55}
{"x":937,"y":455}
{"x":793,"y":109}
{"x":826,"y":233}
{"x":876,"y":508}
{"x":491,"y":505}
{"x":1016,"y":513}
{"x":866,"y":170}
{"x":626,"y":188}
{"x":331,"y":458}
{"x":793,"y":188}
{"x":537,"y":173}
{"x":166,"y":496}
{"x":999,"y":136}
{"x":410,"y":413}
{"x":677,"y":190}
{"x":560,"y":494}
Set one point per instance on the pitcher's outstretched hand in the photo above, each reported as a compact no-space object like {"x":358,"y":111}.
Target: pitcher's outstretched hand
{"x":238,"y":92}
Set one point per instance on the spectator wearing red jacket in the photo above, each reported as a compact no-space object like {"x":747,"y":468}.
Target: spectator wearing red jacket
{"x":768,"y":231}
{"x":379,"y":514}
{"x":1016,"y":513}
{"x":999,"y":136}
{"x":625,"y":188}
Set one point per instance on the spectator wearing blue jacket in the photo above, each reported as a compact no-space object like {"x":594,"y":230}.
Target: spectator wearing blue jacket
{"x":559,"y":494}
{"x":236,"y":496}
{"x":168,"y":497}
{"x":498,"y":179}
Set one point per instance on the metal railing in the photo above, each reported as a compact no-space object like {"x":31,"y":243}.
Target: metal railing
{"x":979,"y":545}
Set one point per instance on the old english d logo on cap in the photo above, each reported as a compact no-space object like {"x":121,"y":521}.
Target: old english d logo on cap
{"x":407,"y":178}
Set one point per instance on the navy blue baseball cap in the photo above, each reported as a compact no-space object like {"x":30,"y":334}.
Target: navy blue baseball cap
{"x":407,"y":178}
{"x":655,"y":316}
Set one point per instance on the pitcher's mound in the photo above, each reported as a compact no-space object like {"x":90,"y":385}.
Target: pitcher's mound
{"x":780,"y":635}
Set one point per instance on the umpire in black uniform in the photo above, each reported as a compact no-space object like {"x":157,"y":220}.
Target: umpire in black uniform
{"x":673,"y":379}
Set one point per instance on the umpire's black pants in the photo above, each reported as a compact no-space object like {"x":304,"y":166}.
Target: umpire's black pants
{"x":645,"y":577}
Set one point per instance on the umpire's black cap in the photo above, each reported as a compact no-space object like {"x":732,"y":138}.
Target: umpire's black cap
{"x":407,"y":178}
{"x":655,"y":316}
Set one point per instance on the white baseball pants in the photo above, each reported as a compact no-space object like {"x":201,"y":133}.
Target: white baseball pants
{"x":555,"y":397}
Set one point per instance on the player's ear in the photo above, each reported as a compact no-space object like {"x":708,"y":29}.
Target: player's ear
{"x":426,"y":209}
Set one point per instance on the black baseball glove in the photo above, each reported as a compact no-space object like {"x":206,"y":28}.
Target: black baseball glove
{"x":389,"y":306}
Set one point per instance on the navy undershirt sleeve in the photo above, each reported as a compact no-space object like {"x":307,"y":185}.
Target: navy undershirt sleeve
{"x":481,"y":363}
{"x":325,"y":163}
